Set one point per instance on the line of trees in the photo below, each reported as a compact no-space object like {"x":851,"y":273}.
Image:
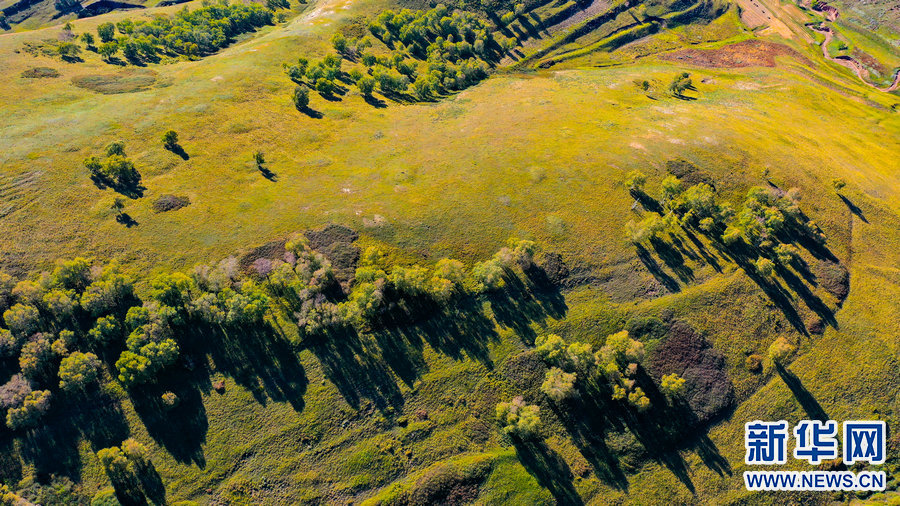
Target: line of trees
{"x":188,"y":33}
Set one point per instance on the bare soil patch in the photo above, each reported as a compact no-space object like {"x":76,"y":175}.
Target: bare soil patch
{"x":748,"y":53}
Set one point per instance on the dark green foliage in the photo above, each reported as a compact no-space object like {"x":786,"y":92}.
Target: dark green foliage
{"x":189,"y":33}
{"x":170,"y":140}
{"x":301,"y":97}
{"x":106,"y":31}
{"x":88,"y":39}
{"x":681,"y":83}
{"x":108,"y":49}
{"x":68,"y":50}
{"x":115,"y":171}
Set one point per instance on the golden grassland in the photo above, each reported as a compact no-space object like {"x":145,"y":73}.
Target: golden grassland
{"x":538,"y":155}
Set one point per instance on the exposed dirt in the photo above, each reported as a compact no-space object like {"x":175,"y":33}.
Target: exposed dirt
{"x":748,"y":53}
{"x":851,"y":63}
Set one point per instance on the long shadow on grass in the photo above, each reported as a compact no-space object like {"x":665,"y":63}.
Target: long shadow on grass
{"x":803,"y":396}
{"x":93,"y":416}
{"x":522,"y":302}
{"x":550,"y":470}
{"x":664,"y":278}
{"x":354,"y":371}
{"x":853,"y":208}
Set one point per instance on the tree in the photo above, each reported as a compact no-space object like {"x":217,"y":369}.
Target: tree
{"x":635,"y":180}
{"x":366,"y":85}
{"x":838,"y":184}
{"x":133,"y":369}
{"x":108,"y":49}
{"x":22,"y":319}
{"x":88,"y":39}
{"x":518,"y":419}
{"x":765,"y":267}
{"x":9,"y":344}
{"x":68,"y":50}
{"x":106,"y":31}
{"x":170,"y":140}
{"x":36,"y":357}
{"x":301,"y":98}
{"x":672,"y":385}
{"x":114,"y":462}
{"x":339,"y":42}
{"x":118,"y":205}
{"x":558,"y":384}
{"x":170,"y":400}
{"x":34,"y":406}
{"x":77,"y":371}
{"x":324,"y":86}
{"x":135,"y":452}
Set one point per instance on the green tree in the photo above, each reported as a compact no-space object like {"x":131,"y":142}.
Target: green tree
{"x":106,"y":31}
{"x":133,"y":369}
{"x":518,"y":419}
{"x":301,"y":98}
{"x":22,"y":319}
{"x":558,"y":384}
{"x":324,"y":86}
{"x":672,"y":385}
{"x":170,"y":140}
{"x":88,"y":39}
{"x":366,"y":85}
{"x":36,"y":357}
{"x":78,"y":370}
{"x":339,"y":42}
{"x":108,"y":49}
{"x":68,"y":50}
{"x":780,"y":350}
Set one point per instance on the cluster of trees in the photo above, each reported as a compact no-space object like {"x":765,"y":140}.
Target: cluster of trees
{"x":430,"y":53}
{"x":617,"y":362}
{"x":189,"y":33}
{"x":116,"y":170}
{"x":303,"y":287}
{"x":46,"y":320}
{"x":763,"y":224}
{"x":58,"y":324}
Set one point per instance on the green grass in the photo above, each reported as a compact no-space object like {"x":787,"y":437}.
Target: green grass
{"x":538,"y":155}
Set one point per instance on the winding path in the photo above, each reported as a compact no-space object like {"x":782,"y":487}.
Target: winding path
{"x":848,"y":61}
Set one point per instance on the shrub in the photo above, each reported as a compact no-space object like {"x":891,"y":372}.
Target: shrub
{"x":114,"y":462}
{"x":106,"y":330}
{"x":780,"y":350}
{"x":78,"y":370}
{"x":106,"y":31}
{"x":552,"y":349}
{"x":635,"y":180}
{"x":558,"y":384}
{"x":518,"y":419}
{"x":765,"y":267}
{"x":169,"y":400}
{"x":366,"y":85}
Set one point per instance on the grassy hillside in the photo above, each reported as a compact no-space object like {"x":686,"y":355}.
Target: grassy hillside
{"x":538,"y":153}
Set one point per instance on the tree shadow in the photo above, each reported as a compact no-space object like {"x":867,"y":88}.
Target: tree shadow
{"x":803,"y":396}
{"x":549,"y":469}
{"x":664,"y":278}
{"x":517,"y":305}
{"x":673,"y":258}
{"x":354,"y":372}
{"x":587,"y":420}
{"x":53,"y":449}
{"x":151,"y":483}
{"x":853,"y":208}
{"x":312,"y":113}
{"x":178,"y":150}
{"x":268,"y":174}
{"x":375,"y":101}
{"x":649,"y":203}
{"x":181,"y":430}
{"x":126,"y":219}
